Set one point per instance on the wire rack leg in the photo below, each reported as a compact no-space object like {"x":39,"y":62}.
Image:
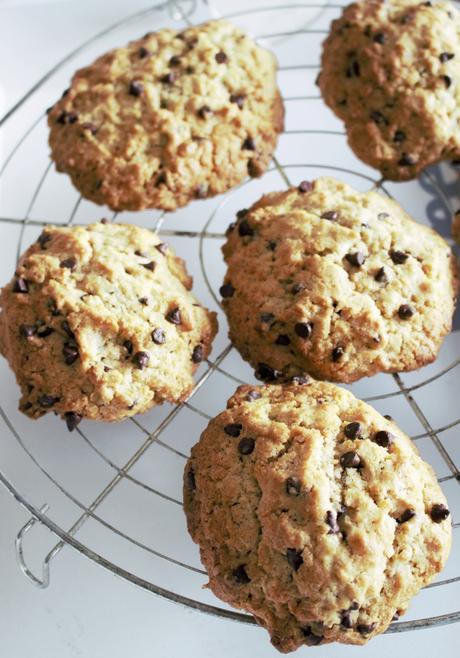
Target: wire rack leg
{"x":44,"y":581}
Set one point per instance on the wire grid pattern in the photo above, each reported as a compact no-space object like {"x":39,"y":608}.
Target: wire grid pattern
{"x":184,"y":12}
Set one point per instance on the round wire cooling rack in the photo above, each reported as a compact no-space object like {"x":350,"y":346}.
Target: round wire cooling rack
{"x":125,"y":512}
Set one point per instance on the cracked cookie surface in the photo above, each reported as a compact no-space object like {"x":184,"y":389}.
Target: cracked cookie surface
{"x":174,"y":116}
{"x":391,"y":72}
{"x":313,"y":513}
{"x":340,"y":284}
{"x":99,"y":322}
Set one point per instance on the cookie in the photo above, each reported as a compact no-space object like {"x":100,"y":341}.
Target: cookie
{"x":337,"y":283}
{"x":314,"y":513}
{"x":171,"y":117}
{"x":99,"y":322}
{"x":390,"y":71}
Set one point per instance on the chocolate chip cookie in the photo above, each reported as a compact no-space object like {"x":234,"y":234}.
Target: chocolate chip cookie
{"x":340,"y":284}
{"x":174,"y":116}
{"x":99,"y":322}
{"x":314,"y":513}
{"x":391,"y":72}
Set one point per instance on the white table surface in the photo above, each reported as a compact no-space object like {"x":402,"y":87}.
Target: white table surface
{"x":87,"y":612}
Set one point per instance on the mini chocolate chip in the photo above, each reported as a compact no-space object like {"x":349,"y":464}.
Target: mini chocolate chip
{"x":407,"y":515}
{"x":406,"y":160}
{"x":379,"y":37}
{"x":20,"y":285}
{"x":240,"y":576}
{"x":271,"y":245}
{"x":44,"y":332}
{"x":104,"y":221}
{"x":351,"y":459}
{"x":345,"y":619}
{"x":439,"y":512}
{"x":242,"y":213}
{"x":266,"y":318}
{"x":43,"y":239}
{"x":304,"y":329}
{"x":175,"y":61}
{"x":246,"y":445}
{"x":69,"y":263}
{"x":332,"y":215}
{"x":365,"y":629}
{"x":300,"y":379}
{"x":150,"y":266}
{"x":136,"y":88}
{"x":162,"y":247}
{"x":244,"y":228}
{"x":381,"y":276}
{"x":293,"y":486}
{"x":27,"y":330}
{"x":128,"y":345}
{"x":331,"y":520}
{"x":382,"y":216}
{"x":141,"y":360}
{"x":143,"y":52}
{"x":191,"y":482}
{"x":233,"y":429}
{"x":158,"y":336}
{"x":204,"y":111}
{"x":253,"y":395}
{"x":249,"y":144}
{"x":221,"y":57}
{"x":383,"y":438}
{"x":311,"y":639}
{"x":337,"y":353}
{"x":72,"y":419}
{"x":144,"y":301}
{"x":201,"y":191}
{"x":266,"y":373}
{"x":66,"y":327}
{"x":70,"y":352}
{"x":283,"y":339}
{"x":67,"y":117}
{"x":294,"y":558}
{"x":354,"y":605}
{"x":447,"y":80}
{"x":198,"y":354}
{"x":47,"y":401}
{"x":356,"y":259}
{"x":388,"y":417}
{"x":174,"y":316}
{"x":297,"y":287}
{"x":305,"y":186}
{"x":445,"y":57}
{"x":230,"y":228}
{"x":377,"y":117}
{"x":398,"y":257}
{"x":399,"y":137}
{"x":227,"y":290}
{"x":352,"y":430}
{"x":160,"y":179}
{"x":238,"y":99}
{"x":395,"y":616}
{"x":405,"y":311}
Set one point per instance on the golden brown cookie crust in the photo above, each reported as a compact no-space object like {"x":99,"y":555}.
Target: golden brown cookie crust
{"x":336,"y":283}
{"x":318,"y":550}
{"x":171,"y":117}
{"x":99,"y":322}
{"x":390,"y":71}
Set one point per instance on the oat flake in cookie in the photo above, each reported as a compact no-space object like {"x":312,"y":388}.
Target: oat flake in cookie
{"x":171,"y":117}
{"x":308,"y":519}
{"x":87,"y":324}
{"x":337,"y":283}
{"x":391,"y":72}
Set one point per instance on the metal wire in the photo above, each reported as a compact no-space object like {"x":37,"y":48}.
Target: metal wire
{"x":122,"y":473}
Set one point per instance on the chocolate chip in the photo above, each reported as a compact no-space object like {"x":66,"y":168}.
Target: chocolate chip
{"x":345,"y":619}
{"x":104,"y":221}
{"x":354,"y":605}
{"x":377,"y":117}
{"x":283,"y":339}
{"x":198,"y":354}
{"x":398,"y":257}
{"x":66,"y":327}
{"x":266,"y":373}
{"x":331,"y":520}
{"x":395,"y":616}
{"x":174,"y":316}
{"x":230,"y":228}
{"x":158,"y":336}
{"x":162,"y":247}
{"x":141,"y":360}
{"x":204,"y":111}
{"x":27,"y":330}
{"x":69,"y":263}
{"x":44,"y":332}
{"x":144,"y":301}
{"x":405,"y":311}
{"x":351,"y":459}
{"x":233,"y":429}
{"x":271,"y":245}
{"x":136,"y":88}
{"x":47,"y":401}
{"x":337,"y":353}
{"x":227,"y":290}
{"x":300,"y":379}
{"x":72,"y":419}
{"x":388,"y":417}
{"x":332,"y":215}
{"x":356,"y":259}
{"x":240,"y":576}
{"x":407,"y":515}
{"x":201,"y":191}
{"x":439,"y":512}
{"x":304,"y":329}
{"x":447,"y":80}
{"x":293,"y":486}
{"x":406,"y":160}
{"x":191,"y":482}
{"x":365,"y":629}
{"x":445,"y":57}
{"x":242,"y":213}
{"x":381,"y":276}
{"x":70,"y":352}
{"x":383,"y":438}
{"x":150,"y":266}
{"x":67,"y":117}
{"x":128,"y":345}
{"x":254,"y":168}
{"x":160,"y":179}
{"x":379,"y":37}
{"x":352,"y":430}
{"x":238,"y":99}
{"x":43,"y":239}
{"x":382,"y":216}
{"x":253,"y":395}
{"x":143,"y":52}
{"x":221,"y":57}
{"x":266,"y":318}
{"x":311,"y":639}
{"x":297,"y":287}
{"x":246,"y":445}
{"x":305,"y":186}
{"x":294,"y":558}
{"x":20,"y":285}
{"x":399,"y":137}
{"x":175,"y":61}
{"x":244,"y":228}
{"x":249,"y":144}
